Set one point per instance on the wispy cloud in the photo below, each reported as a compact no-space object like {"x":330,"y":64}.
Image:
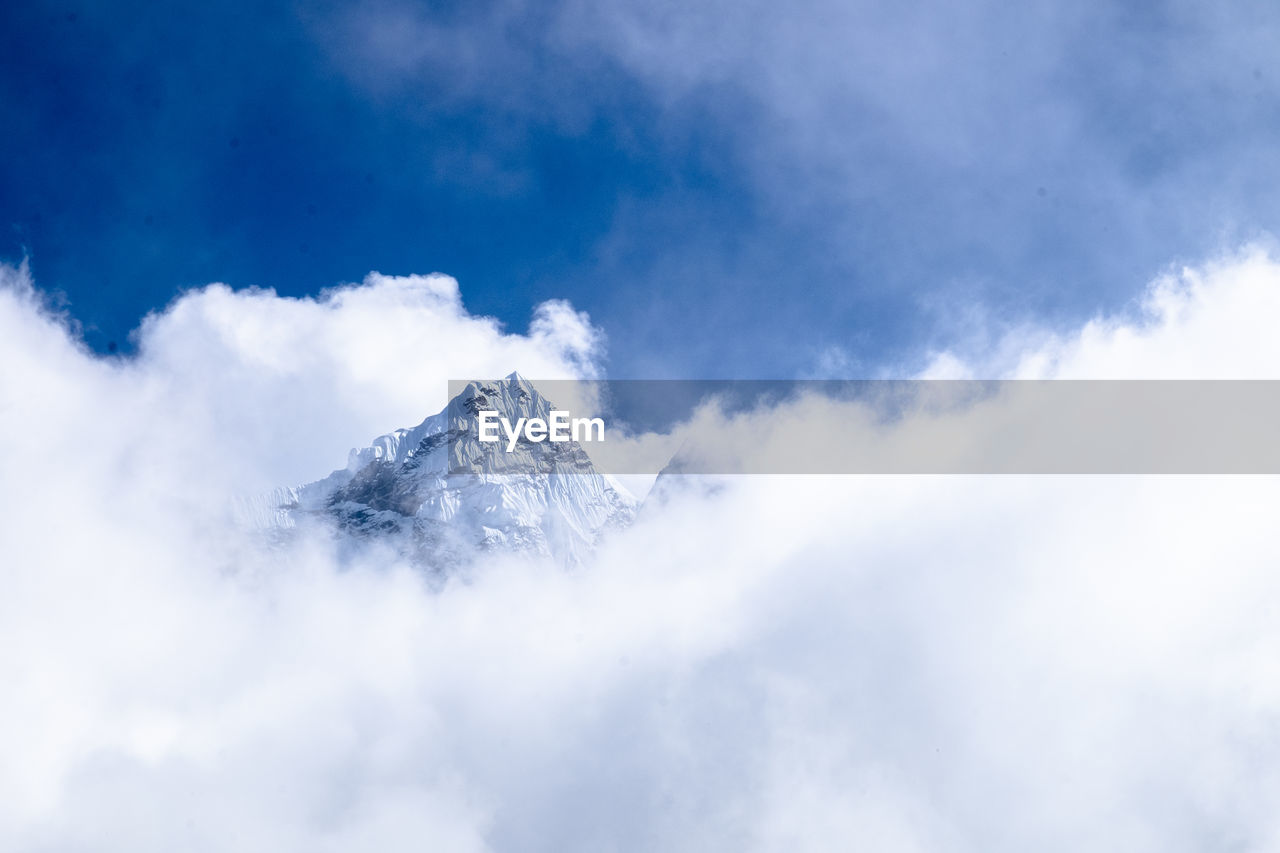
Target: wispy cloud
{"x":906,"y":162}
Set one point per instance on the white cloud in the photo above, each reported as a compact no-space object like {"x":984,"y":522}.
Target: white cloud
{"x":785,"y":663}
{"x":1216,"y":321}
{"x":276,"y":384}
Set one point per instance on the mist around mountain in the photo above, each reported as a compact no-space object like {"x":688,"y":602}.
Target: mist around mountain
{"x":974,"y":664}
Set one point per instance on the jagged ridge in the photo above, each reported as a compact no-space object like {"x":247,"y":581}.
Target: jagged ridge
{"x":441,"y":496}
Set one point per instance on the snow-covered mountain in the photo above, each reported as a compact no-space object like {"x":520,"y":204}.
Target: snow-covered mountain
{"x":439,"y":495}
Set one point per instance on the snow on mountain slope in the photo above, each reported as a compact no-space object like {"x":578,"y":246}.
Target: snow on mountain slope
{"x":440,"y":496}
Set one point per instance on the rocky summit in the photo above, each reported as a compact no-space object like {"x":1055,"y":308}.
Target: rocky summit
{"x":440,"y":497}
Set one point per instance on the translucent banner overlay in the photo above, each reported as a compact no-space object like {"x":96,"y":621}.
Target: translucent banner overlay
{"x":642,"y":427}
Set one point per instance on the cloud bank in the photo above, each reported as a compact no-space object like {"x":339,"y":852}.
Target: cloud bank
{"x":774,"y":663}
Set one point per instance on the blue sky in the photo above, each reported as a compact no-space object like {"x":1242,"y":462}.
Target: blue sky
{"x":730,"y":189}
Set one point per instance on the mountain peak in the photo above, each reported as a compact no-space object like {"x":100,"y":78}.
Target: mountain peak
{"x":440,"y":496}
